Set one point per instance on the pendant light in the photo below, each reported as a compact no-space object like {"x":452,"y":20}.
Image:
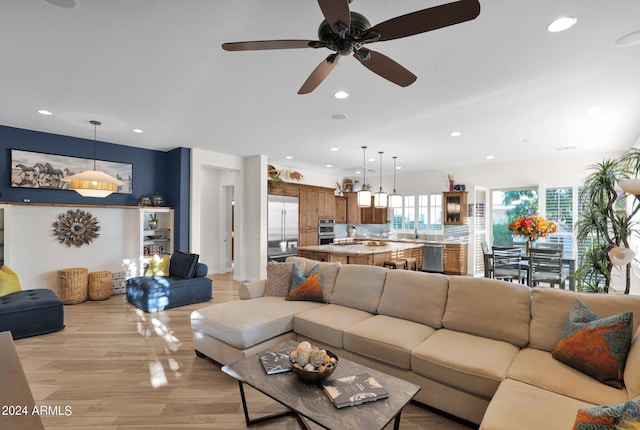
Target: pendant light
{"x":93,"y":183}
{"x":380,"y":198}
{"x":395,"y":199}
{"x":364,"y":196}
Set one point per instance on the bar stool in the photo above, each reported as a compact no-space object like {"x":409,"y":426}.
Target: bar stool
{"x":398,"y":263}
{"x":412,"y":263}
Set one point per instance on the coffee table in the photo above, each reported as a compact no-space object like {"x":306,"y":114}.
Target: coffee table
{"x":309,"y":401}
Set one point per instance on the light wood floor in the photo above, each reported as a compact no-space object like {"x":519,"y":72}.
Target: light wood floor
{"x":118,"y":368}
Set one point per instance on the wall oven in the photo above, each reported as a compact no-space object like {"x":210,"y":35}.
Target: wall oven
{"x":326,"y":231}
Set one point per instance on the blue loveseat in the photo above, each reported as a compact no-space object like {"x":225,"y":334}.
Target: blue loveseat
{"x":187,"y":283}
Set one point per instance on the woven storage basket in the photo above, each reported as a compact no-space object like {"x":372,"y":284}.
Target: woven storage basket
{"x":99,"y":285}
{"x":72,"y":285}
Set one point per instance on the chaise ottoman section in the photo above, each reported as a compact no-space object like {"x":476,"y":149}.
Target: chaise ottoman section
{"x":31,"y":312}
{"x":226,"y":331}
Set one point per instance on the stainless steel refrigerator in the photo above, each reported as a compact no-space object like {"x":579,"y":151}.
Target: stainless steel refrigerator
{"x":282,"y":228}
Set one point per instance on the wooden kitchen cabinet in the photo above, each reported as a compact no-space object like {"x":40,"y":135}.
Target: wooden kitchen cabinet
{"x":455,"y":258}
{"x":454,"y":206}
{"x":341,"y":210}
{"x":353,"y":210}
{"x":326,"y":203}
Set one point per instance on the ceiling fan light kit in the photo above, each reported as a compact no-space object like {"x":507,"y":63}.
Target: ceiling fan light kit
{"x":346,"y":33}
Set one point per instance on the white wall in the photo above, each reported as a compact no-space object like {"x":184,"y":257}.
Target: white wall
{"x":35,"y":254}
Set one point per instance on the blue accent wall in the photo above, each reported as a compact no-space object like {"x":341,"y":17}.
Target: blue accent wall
{"x":165,"y":173}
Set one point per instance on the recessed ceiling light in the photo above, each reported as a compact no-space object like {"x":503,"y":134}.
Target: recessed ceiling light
{"x":63,"y":3}
{"x":334,"y":149}
{"x":328,"y":165}
{"x":341,"y":95}
{"x":629,"y":39}
{"x":371,"y":159}
{"x":289,"y":157}
{"x":358,"y":172}
{"x":44,"y":112}
{"x":490,"y":157}
{"x":339,"y":116}
{"x":561,"y":24}
{"x":456,"y":134}
{"x":138,"y":130}
{"x":594,"y":110}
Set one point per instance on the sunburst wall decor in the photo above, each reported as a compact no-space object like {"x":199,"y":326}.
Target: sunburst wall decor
{"x":76,"y":228}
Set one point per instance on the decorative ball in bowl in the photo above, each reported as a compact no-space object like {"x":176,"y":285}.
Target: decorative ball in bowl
{"x":313,"y":364}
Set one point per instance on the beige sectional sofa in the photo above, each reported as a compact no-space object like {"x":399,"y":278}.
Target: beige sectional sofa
{"x":479,"y":348}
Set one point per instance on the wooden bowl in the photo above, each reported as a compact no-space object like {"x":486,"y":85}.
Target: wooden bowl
{"x":316,"y":376}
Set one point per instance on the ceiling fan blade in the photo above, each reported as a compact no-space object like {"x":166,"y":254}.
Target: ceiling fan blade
{"x":259,"y":45}
{"x":337,"y":14}
{"x":428,"y":19}
{"x":319,"y":74}
{"x":384,"y":66}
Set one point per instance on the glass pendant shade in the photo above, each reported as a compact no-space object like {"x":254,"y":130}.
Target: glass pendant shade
{"x":364,"y":198}
{"x":380,"y":200}
{"x":395,"y":200}
{"x":620,"y":256}
{"x":93,"y":183}
{"x":630,"y":186}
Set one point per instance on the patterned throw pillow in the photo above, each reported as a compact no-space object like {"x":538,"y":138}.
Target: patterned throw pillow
{"x":306,"y":287}
{"x":596,"y":346}
{"x":278,"y":279}
{"x":623,"y":416}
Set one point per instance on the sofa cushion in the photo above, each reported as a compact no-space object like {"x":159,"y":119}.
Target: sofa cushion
{"x":596,"y":346}
{"x":278,"y":278}
{"x":156,"y":293}
{"x":489,"y":308}
{"x":158,"y":266}
{"x":309,"y":289}
{"x":608,"y":417}
{"x":327,"y":324}
{"x":359,"y":287}
{"x":415,"y":296}
{"x":387,"y":339}
{"x":183,"y":265}
{"x":520,"y":406}
{"x":632,"y":369}
{"x":328,"y":273}
{"x":245,"y":323}
{"x":550,"y":308}
{"x":464,"y":361}
{"x":536,"y":367}
{"x":9,"y":282}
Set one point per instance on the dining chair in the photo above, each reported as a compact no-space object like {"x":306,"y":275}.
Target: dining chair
{"x":487,"y":259}
{"x":551,"y":245}
{"x":546,"y":265}
{"x":507,"y":264}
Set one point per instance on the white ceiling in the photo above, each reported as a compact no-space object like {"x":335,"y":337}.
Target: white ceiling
{"x":514,"y":90}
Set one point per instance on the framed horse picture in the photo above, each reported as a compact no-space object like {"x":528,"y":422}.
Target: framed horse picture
{"x":46,"y":171}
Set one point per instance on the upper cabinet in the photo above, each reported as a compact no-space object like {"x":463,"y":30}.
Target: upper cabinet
{"x":341,"y":210}
{"x":370,"y":215}
{"x":454,"y":206}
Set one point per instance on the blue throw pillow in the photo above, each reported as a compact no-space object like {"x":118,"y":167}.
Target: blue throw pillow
{"x":183,"y":265}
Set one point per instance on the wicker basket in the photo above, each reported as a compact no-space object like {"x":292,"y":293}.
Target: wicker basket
{"x":99,"y":285}
{"x":72,"y":285}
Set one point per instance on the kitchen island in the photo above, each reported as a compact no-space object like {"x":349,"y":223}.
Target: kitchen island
{"x":373,"y":253}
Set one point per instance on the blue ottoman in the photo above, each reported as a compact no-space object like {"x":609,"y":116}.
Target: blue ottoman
{"x":31,"y":312}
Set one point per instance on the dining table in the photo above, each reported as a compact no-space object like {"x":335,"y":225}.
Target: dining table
{"x":568,"y":259}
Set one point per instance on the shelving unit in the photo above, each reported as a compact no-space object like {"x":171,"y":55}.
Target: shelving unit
{"x":157,"y":240}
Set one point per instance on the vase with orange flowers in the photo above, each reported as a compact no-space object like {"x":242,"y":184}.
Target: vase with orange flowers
{"x":532,"y":228}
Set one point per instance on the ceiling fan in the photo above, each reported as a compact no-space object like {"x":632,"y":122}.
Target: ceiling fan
{"x":346,"y":33}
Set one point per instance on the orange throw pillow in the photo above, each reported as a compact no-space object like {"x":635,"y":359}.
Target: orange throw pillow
{"x":309,"y":290}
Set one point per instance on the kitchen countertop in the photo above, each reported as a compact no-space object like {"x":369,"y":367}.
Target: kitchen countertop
{"x":400,"y":240}
{"x":360,"y":248}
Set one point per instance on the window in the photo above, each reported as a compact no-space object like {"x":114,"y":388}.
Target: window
{"x":507,"y":205}
{"x":559,"y":209}
{"x":422,"y":213}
